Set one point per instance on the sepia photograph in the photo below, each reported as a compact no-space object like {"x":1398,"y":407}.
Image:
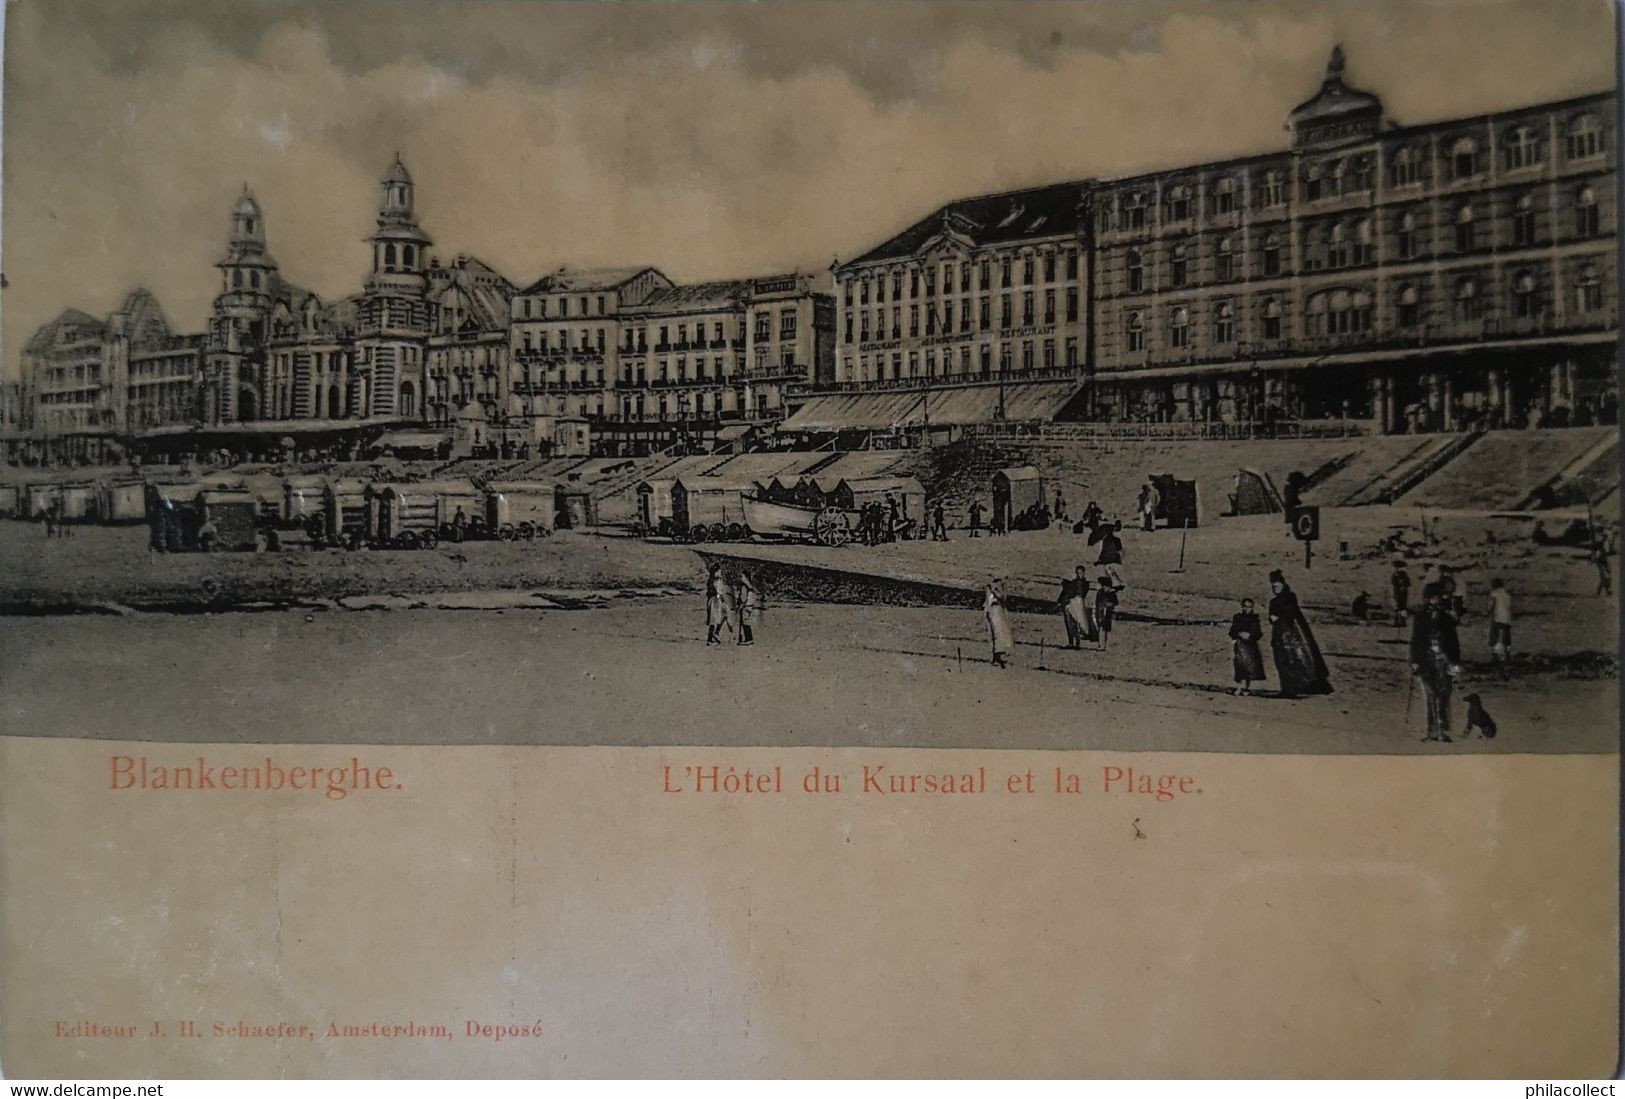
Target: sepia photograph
{"x":561,"y":478}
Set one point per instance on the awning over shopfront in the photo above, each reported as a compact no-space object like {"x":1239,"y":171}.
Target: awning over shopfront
{"x":952,"y":406}
{"x":410,"y":440}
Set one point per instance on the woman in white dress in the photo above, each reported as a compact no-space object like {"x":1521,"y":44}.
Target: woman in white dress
{"x":998,"y":624}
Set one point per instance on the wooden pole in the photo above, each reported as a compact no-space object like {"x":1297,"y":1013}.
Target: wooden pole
{"x":1182,"y":532}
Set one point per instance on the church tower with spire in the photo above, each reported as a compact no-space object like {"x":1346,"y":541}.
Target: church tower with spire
{"x":393,"y":322}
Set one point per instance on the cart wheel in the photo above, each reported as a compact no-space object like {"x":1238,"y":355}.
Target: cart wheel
{"x":476,"y":530}
{"x":698,"y":533}
{"x":736,"y":532}
{"x":718,"y":532}
{"x":430,"y":539}
{"x":406,"y":539}
{"x":527,"y":530}
{"x":506,"y":532}
{"x":830,"y":527}
{"x":664,"y":528}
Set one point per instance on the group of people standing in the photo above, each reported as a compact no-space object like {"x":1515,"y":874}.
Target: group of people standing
{"x":880,"y":522}
{"x":1088,"y":613}
{"x":1298,"y":664}
{"x":731,"y":604}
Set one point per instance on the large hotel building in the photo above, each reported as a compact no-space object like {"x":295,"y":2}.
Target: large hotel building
{"x":423,"y":350}
{"x":1416,"y":278}
{"x":1370,"y":276}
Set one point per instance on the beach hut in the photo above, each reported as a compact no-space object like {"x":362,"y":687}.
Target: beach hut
{"x":1255,"y":494}
{"x":522,"y":508}
{"x":173,"y":516}
{"x":709,"y":508}
{"x":344,"y":502}
{"x":303,"y":495}
{"x":576,"y":507}
{"x":74,"y":501}
{"x":235,"y":515}
{"x":121,"y":501}
{"x":1178,"y":505}
{"x":1014,"y":491}
{"x":654,"y":506}
{"x":413,"y":513}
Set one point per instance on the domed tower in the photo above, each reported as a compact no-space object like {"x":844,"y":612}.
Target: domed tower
{"x":399,"y":245}
{"x":237,"y":324}
{"x":393,"y":325}
{"x":247,"y":271}
{"x":1337,"y":113}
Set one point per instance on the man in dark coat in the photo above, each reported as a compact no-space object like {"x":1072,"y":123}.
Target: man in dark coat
{"x":976,"y":518}
{"x":1073,"y":604}
{"x":1436,"y":657}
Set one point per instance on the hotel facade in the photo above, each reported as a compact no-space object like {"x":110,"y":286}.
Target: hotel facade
{"x":1432,"y":277}
{"x":1375,"y":277}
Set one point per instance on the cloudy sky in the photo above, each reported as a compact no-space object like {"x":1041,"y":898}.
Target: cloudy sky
{"x":708,"y":139}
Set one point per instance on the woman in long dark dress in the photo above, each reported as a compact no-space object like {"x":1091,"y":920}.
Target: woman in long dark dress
{"x":1245,"y":632}
{"x":1298,"y":662}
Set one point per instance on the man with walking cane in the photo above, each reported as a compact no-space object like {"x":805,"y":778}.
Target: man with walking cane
{"x":1435,"y":658}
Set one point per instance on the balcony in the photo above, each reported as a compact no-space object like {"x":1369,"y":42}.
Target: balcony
{"x":1057,"y":373}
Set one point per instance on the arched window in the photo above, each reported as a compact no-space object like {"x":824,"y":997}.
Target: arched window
{"x":1136,"y":332}
{"x":1523,"y":220}
{"x":1272,"y":254}
{"x":1524,"y":302}
{"x":389,"y":257}
{"x":237,"y":278}
{"x":1337,"y":247}
{"x":1468,"y":305}
{"x":1339,"y":178}
{"x":1179,"y":328}
{"x":1338,"y":312}
{"x":1405,"y":167}
{"x":1314,"y":248}
{"x":1312,"y":182}
{"x":1136,"y":272}
{"x":1134,"y":206}
{"x":1520,"y":148}
{"x":1409,"y":239}
{"x":1224,"y":195}
{"x":1226,"y":265}
{"x":1584,"y":137}
{"x":1585,"y":213}
{"x":1463,"y":158}
{"x":407,"y":251}
{"x":254,"y":280}
{"x":1272,"y":318}
{"x":1359,"y":174}
{"x":1271,"y":189}
{"x":1179,"y":203}
{"x":1224,"y":323}
{"x":1178,"y":265}
{"x":1464,"y":227}
{"x":1364,"y":250}
{"x":1410,"y":308}
{"x":1588,"y":290}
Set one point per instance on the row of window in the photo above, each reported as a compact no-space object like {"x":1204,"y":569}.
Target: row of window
{"x":1342,"y":311}
{"x":1349,"y":243}
{"x":1033,"y":355}
{"x":983,"y":273}
{"x":939,"y":317}
{"x":391,"y":261}
{"x":1522,"y":147}
{"x":537,"y":308}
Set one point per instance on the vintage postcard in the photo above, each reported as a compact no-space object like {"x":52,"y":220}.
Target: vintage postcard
{"x":809,"y":539}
